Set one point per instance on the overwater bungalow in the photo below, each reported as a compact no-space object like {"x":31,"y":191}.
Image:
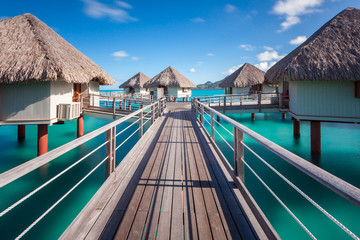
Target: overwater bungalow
{"x":174,"y":84}
{"x":42,"y":76}
{"x":135,"y":84}
{"x":322,"y":75}
{"x":247,"y":79}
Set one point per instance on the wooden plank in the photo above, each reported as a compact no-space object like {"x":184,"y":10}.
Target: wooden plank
{"x":214,"y":214}
{"x":177,"y":204}
{"x":132,"y":209}
{"x":203,"y":225}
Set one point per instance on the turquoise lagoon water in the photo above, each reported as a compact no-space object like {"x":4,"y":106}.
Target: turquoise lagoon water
{"x":340,"y":156}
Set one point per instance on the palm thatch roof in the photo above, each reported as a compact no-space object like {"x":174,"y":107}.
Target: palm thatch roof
{"x":32,"y":51}
{"x":246,"y":75}
{"x":136,"y":81}
{"x":170,"y":77}
{"x":331,"y":53}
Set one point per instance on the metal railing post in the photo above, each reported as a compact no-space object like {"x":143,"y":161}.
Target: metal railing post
{"x":202,"y":114}
{"x":110,"y":151}
{"x":152,"y":114}
{"x":141,"y":128}
{"x":239,"y":153}
{"x":113,"y":108}
{"x":212,"y":126}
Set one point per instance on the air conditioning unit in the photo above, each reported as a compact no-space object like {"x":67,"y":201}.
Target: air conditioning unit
{"x":69,"y":111}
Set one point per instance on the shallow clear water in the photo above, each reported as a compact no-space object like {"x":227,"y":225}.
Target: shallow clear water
{"x":340,"y":156}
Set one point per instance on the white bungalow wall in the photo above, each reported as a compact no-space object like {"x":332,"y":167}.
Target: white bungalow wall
{"x":268,"y":89}
{"x":94,"y":89}
{"x":61,"y":93}
{"x":329,"y":100}
{"x":243,"y":90}
{"x":178,"y":92}
{"x":24,"y":102}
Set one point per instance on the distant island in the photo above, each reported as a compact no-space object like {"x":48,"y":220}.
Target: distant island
{"x":209,"y":84}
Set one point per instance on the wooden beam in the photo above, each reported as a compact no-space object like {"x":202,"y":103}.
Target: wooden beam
{"x":252,"y":116}
{"x":296,"y":128}
{"x":80,"y":126}
{"x":42,"y":147}
{"x":315,"y":127}
{"x":21,"y":132}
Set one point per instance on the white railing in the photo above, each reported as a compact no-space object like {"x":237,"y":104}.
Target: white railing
{"x":339,"y":186}
{"x":259,"y":100}
{"x":147,"y":114}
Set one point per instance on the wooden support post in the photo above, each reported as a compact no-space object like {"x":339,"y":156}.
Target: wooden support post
{"x":219,"y":101}
{"x":80,"y":126}
{"x":141,"y":124}
{"x":231,"y":100}
{"x":217,"y":118}
{"x":224,"y":101}
{"x":107,"y":102}
{"x":21,"y":132}
{"x":159,"y":111}
{"x":110,"y":151}
{"x":284,"y":115}
{"x":129,"y":107}
{"x":93,"y":100}
{"x":296,"y":128}
{"x":152,"y":114}
{"x":114,"y":108}
{"x":141,"y":105}
{"x":202,"y":114}
{"x":259,"y":101}
{"x":212,"y":126}
{"x":252,"y":116}
{"x":42,"y":147}
{"x":315,"y":127}
{"x":120,"y":104}
{"x":239,"y":153}
{"x":124,"y":104}
{"x":183,"y":99}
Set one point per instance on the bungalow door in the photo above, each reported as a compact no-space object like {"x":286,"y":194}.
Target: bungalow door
{"x":77,"y":92}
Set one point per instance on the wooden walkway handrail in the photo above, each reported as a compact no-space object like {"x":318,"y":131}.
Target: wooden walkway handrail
{"x":344,"y":189}
{"x":234,"y":95}
{"x":23,"y":169}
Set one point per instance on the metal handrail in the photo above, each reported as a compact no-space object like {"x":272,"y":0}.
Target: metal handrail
{"x":23,"y":169}
{"x":339,"y":186}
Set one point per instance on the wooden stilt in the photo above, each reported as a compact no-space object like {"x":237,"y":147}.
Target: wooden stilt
{"x":141,"y":106}
{"x":315,"y":127}
{"x":21,"y":132}
{"x":296,"y":128}
{"x":218,"y":118}
{"x":129,"y":107}
{"x":283,"y":115}
{"x":120,"y":104}
{"x":183,"y":99}
{"x":80,"y":126}
{"x":252,"y":116}
{"x":42,"y":139}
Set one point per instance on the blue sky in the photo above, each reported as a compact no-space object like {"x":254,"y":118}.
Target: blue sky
{"x":204,"y":39}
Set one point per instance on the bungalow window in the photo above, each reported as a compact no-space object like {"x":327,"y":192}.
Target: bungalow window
{"x":357,"y":89}
{"x":185,"y":89}
{"x":147,"y":89}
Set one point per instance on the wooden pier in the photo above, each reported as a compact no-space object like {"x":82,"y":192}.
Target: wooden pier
{"x":172,"y":185}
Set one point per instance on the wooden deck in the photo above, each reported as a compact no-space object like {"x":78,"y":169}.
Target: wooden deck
{"x":173,"y":187}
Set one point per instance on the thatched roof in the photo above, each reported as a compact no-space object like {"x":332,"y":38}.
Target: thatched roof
{"x":331,"y":53}
{"x":32,"y":51}
{"x":246,"y":75}
{"x":170,"y":77}
{"x":136,"y":81}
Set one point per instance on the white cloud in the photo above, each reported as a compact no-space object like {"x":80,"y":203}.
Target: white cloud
{"x":135,"y":58}
{"x":197,"y":20}
{"x":199,"y":63}
{"x":265,"y":65}
{"x":247,"y":47}
{"x":292,"y":9}
{"x":120,"y":54}
{"x":232,"y":69}
{"x":268,"y":56}
{"x":192,"y":70}
{"x":124,"y":4}
{"x":298,"y":40}
{"x":230,"y":8}
{"x":268,"y":48}
{"x":210,"y":54}
{"x":99,"y":10}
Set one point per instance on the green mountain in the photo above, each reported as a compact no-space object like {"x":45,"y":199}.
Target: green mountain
{"x":209,"y":84}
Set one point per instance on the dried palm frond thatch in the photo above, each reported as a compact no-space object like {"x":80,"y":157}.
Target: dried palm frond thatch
{"x":331,"y":53}
{"x":32,"y":51}
{"x":246,"y":75}
{"x":136,"y":81}
{"x":170,"y":77}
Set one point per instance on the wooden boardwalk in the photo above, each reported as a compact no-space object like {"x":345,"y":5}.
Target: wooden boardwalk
{"x":177,"y":190}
